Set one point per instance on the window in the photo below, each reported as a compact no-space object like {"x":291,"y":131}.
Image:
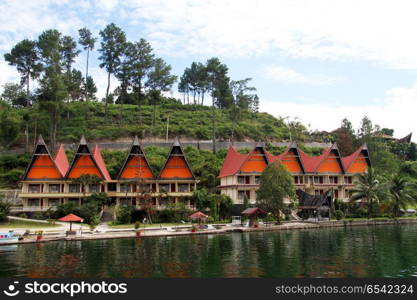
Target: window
{"x":53,"y":202}
{"x":125,"y":202}
{"x":163,"y":202}
{"x":34,"y":188}
{"x":241,"y":179}
{"x":348,"y":180}
{"x":74,"y":188}
{"x":183,"y":188}
{"x":192,"y":187}
{"x":54,"y":188}
{"x":257,"y":179}
{"x":336,"y":194}
{"x":241,"y":195}
{"x":296,"y":179}
{"x":125,"y":188}
{"x":164,"y":188}
{"x":94,"y":188}
{"x":111,"y":187}
{"x":33,"y":202}
{"x":333,"y":179}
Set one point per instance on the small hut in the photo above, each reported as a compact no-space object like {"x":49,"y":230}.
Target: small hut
{"x":198,"y":216}
{"x":315,"y":205}
{"x":253,"y":213}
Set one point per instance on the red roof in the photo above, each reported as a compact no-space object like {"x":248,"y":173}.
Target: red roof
{"x":61,"y":161}
{"x":348,"y":160}
{"x":232,"y":162}
{"x":198,"y":215}
{"x":253,"y":211}
{"x":100,"y":163}
{"x":71,"y":218}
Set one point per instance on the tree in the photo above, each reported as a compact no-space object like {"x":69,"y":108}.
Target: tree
{"x":14,"y":95}
{"x":4,"y":209}
{"x":124,"y":73}
{"x":52,"y":90}
{"x":86,"y":40}
{"x":112,"y":46}
{"x":75,"y":85}
{"x":25,"y":57}
{"x":242,"y":99}
{"x":276,"y":185}
{"x":9,"y":127}
{"x":369,"y":189}
{"x":90,"y":88}
{"x":400,"y":194}
{"x":159,"y":80}
{"x":218,"y":84}
{"x":141,"y":61}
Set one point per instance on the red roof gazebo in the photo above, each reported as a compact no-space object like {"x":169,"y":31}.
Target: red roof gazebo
{"x":71,"y":218}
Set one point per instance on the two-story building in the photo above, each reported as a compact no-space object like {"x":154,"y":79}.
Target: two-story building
{"x":48,"y":181}
{"x":240,"y":174}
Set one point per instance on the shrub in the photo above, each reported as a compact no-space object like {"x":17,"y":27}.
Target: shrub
{"x":361,"y":212}
{"x":124,"y":215}
{"x":338,"y":214}
{"x":38,"y":215}
{"x":4,"y":210}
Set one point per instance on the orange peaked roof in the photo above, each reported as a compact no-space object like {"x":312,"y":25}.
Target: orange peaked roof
{"x":308,"y":164}
{"x":61,"y":160}
{"x":42,"y":166}
{"x":176,"y":166}
{"x":86,"y":162}
{"x":136,"y":164}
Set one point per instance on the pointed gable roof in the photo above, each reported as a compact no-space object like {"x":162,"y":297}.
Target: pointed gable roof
{"x":100,"y":162}
{"x":256,"y":160}
{"x":42,"y":166}
{"x":176,"y":165}
{"x":291,"y":149}
{"x":232,"y":162}
{"x":134,"y":160}
{"x":326,"y":156}
{"x":350,"y":159}
{"x":93,"y":163}
{"x":61,"y":160}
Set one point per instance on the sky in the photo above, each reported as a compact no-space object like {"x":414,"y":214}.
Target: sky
{"x":317,"y":61}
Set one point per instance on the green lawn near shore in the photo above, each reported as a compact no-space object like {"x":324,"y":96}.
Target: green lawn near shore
{"x":126,"y":226}
{"x":11,"y":223}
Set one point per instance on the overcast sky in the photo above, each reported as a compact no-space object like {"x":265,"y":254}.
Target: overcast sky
{"x":317,"y":60}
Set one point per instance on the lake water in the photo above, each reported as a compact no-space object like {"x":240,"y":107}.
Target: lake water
{"x":377,"y":251}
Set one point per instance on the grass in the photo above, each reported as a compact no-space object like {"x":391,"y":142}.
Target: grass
{"x":25,"y":224}
{"x":132,"y":225}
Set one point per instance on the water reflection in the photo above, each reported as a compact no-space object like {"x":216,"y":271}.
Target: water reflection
{"x":384,"y":251}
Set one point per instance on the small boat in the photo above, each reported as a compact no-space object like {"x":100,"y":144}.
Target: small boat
{"x":8,"y":237}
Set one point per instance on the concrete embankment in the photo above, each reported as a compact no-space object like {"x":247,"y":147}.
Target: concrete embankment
{"x":220,"y":229}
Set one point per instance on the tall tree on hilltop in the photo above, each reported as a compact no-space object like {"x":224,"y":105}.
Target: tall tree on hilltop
{"x":52,"y":90}
{"x":86,"y":40}
{"x":242,"y":99}
{"x":218,"y":84}
{"x":160,"y":80}
{"x":124,"y":74}
{"x":25,"y":57}
{"x":69,"y":53}
{"x":112,"y":46}
{"x":142,"y":60}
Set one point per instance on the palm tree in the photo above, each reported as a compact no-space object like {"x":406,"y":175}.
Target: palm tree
{"x":400,"y":194}
{"x":369,"y":188}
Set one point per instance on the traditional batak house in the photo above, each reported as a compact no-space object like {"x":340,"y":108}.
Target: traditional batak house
{"x":48,"y":182}
{"x":240,"y":174}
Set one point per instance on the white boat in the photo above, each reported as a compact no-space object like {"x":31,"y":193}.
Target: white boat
{"x":8,"y":237}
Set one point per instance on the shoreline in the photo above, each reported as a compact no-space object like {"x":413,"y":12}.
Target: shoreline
{"x":164,"y":232}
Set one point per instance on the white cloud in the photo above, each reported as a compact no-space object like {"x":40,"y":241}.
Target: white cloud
{"x":396,"y":110}
{"x":287,"y":75}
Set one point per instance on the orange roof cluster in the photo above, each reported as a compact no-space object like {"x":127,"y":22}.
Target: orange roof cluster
{"x":43,"y":167}
{"x":296,"y":161}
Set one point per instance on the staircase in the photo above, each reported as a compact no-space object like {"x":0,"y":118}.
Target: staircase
{"x":107,"y":214}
